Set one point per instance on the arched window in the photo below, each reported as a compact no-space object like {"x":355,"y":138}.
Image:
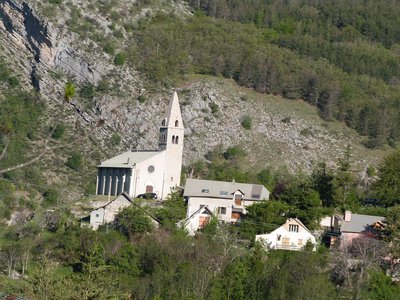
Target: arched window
{"x":176,"y":123}
{"x":176,"y":139}
{"x":173,"y":139}
{"x":163,"y":123}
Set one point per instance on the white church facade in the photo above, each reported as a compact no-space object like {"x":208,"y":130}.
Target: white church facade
{"x":153,"y":171}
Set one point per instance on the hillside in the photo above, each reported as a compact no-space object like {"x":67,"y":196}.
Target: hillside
{"x":121,"y":92}
{"x":300,"y":96}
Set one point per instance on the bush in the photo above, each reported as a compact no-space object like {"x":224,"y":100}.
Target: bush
{"x":51,"y":196}
{"x":233,"y":152}
{"x":247,"y":122}
{"x":58,"y":131}
{"x":13,"y":81}
{"x":115,"y":139}
{"x":214,"y":108}
{"x":141,"y":99}
{"x":104,"y":85}
{"x":87,"y":91}
{"x":109,"y":48}
{"x":69,"y":90}
{"x":75,"y":162}
{"x":119,"y":59}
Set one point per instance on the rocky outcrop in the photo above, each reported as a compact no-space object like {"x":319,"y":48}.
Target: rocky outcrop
{"x":28,"y":31}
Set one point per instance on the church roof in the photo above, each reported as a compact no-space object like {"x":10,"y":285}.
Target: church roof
{"x":128,"y":159}
{"x":173,"y":113}
{"x":223,"y":189}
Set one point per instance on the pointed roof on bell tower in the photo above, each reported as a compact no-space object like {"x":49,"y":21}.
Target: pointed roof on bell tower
{"x":173,"y":114}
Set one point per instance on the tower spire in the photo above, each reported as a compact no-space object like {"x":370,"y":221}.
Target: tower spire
{"x":173,"y":116}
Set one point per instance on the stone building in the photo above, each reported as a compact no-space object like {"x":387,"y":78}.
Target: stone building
{"x":149,"y":171}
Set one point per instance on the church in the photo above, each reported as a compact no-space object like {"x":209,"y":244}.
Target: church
{"x":147,"y":171}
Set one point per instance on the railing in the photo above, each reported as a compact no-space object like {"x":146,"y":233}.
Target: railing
{"x":288,"y":247}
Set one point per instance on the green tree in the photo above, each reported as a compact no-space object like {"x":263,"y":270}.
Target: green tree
{"x":172,"y":211}
{"x":304,"y":200}
{"x":387,"y":187}
{"x":344,"y":190}
{"x":133,"y":220}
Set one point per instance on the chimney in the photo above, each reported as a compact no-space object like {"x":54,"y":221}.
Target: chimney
{"x":347,"y":216}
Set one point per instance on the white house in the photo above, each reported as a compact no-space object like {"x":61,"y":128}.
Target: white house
{"x":148,"y":171}
{"x":292,"y":235}
{"x":197,"y":220}
{"x":227,"y":200}
{"x":106,"y":213}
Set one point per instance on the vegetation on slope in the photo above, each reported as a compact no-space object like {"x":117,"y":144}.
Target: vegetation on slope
{"x":170,"y":47}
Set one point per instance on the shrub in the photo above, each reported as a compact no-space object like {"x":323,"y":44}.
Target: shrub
{"x":75,"y":162}
{"x":69,"y":90}
{"x":109,"y":48}
{"x":51,"y":196}
{"x":58,"y":131}
{"x":87,"y":91}
{"x":104,"y":85}
{"x":214,"y":108}
{"x":371,"y":171}
{"x":115,"y":139}
{"x":119,"y":59}
{"x":233,"y":152}
{"x":13,"y":81}
{"x":141,"y":99}
{"x":246,"y":122}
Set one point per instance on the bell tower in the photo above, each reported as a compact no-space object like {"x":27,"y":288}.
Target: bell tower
{"x":171,"y":141}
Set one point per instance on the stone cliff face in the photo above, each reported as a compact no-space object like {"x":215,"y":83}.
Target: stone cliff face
{"x":28,"y":31}
{"x":288,"y":134}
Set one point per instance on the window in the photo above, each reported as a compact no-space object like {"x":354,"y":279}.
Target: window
{"x":163,"y":122}
{"x":205,"y":191}
{"x":300,"y":242}
{"x":173,"y":139}
{"x":172,"y":178}
{"x":97,"y":215}
{"x":150,"y":169}
{"x":238,"y":199}
{"x":177,"y":140}
{"x":235,"y":215}
{"x":176,"y":123}
{"x":222,"y":210}
{"x":293,"y":228}
{"x":256,"y":196}
{"x":203,"y":221}
{"x":223,"y":193}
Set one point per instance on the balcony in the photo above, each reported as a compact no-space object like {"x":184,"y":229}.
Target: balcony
{"x":289,"y":247}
